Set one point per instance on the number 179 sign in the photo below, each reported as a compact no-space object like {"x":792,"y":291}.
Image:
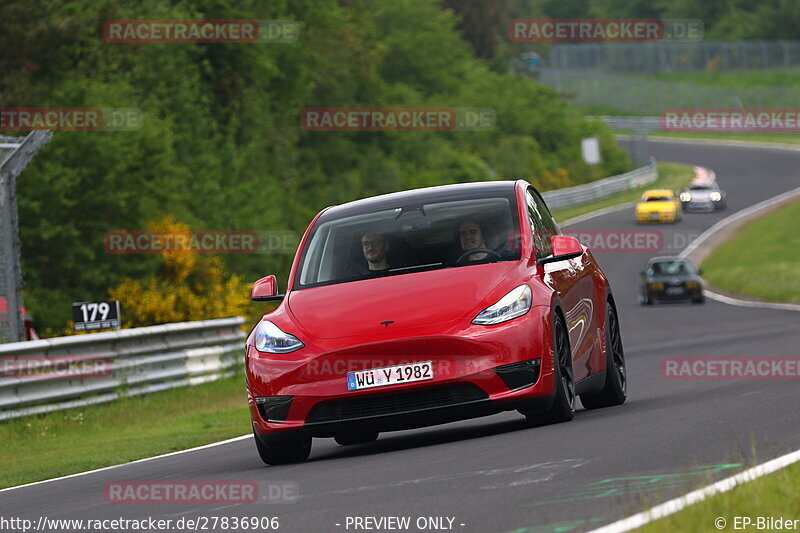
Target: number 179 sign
{"x":89,"y":316}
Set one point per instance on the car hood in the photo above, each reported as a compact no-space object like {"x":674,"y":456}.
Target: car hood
{"x":700,"y":196}
{"x":411,"y":300}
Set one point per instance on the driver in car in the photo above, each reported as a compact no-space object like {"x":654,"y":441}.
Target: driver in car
{"x":474,"y":235}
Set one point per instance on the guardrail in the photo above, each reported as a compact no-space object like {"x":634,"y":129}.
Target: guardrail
{"x":602,"y":188}
{"x":63,"y":372}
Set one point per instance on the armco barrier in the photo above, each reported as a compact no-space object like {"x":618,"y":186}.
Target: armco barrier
{"x":602,"y":188}
{"x":120,"y":363}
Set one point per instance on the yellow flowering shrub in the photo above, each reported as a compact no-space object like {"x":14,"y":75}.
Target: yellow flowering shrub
{"x":187,"y":286}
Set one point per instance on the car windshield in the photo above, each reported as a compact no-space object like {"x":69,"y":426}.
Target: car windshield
{"x":409,"y":238}
{"x":671,"y":268}
{"x":700,"y":187}
{"x":657,"y":199}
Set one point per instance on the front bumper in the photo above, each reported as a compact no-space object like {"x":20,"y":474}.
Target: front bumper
{"x":676,"y":293}
{"x":466,"y":381}
{"x":700,"y":207}
{"x":664,"y":216}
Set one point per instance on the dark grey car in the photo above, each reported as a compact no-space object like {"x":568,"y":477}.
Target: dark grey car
{"x":670,"y":278}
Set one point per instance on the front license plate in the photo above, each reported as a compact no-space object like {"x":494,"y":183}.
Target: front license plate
{"x":390,"y":375}
{"x":675,"y":290}
{"x":653,"y":216}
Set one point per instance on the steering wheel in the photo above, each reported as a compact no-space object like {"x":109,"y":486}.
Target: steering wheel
{"x":478,"y":251}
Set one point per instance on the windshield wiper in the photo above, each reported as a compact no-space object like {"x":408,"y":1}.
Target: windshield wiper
{"x":399,"y":269}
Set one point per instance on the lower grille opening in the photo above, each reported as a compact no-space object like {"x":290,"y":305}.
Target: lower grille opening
{"x":397,"y":403}
{"x":519,"y":375}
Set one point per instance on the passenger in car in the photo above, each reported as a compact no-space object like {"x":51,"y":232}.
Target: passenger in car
{"x":375,"y":247}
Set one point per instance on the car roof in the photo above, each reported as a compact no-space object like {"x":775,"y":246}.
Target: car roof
{"x":425,"y":194}
{"x":658,"y":192}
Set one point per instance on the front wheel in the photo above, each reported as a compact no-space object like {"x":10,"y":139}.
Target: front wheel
{"x":563,"y":408}
{"x":283,"y":448}
{"x":615,"y":389}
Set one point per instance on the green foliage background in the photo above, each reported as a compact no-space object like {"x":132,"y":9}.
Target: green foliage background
{"x":222,"y":147}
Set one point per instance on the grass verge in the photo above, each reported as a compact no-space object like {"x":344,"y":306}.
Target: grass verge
{"x":780,"y":138}
{"x":74,"y":440}
{"x":670,"y":176}
{"x":762,"y":260}
{"x":774,"y":495}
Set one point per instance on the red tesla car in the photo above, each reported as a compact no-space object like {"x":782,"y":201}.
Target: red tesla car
{"x":428,"y":306}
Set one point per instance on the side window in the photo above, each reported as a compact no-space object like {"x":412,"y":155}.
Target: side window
{"x":542,"y":225}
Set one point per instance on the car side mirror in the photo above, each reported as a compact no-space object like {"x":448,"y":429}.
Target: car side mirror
{"x":266,"y":290}
{"x":699,"y":271}
{"x":564,"y":247}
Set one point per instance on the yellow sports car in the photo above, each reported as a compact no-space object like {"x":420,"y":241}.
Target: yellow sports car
{"x":658,"y":205}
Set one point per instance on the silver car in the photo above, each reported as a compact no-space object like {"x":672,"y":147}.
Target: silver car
{"x":706,"y":196}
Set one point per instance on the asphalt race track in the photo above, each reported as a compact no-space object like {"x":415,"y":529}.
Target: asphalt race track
{"x":495,"y":474}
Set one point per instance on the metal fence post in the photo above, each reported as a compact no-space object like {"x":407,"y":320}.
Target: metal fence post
{"x":10,"y":168}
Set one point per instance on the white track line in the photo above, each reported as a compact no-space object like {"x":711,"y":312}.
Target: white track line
{"x":179,"y":452}
{"x":681,"y":502}
{"x":748,"y":303}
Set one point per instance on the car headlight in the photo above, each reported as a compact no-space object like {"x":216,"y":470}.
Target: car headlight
{"x":656,"y":286}
{"x":272,"y":339}
{"x":715,"y":196}
{"x":514,"y":304}
{"x":685,"y":197}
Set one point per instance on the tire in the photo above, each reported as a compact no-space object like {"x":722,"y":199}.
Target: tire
{"x":615,"y":389}
{"x":563,"y":408}
{"x":283,"y":448}
{"x":356,"y":437}
{"x":644,"y":298}
{"x":699,"y":300}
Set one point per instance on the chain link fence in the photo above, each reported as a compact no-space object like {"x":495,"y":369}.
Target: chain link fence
{"x":670,"y":57}
{"x":607,"y":92}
